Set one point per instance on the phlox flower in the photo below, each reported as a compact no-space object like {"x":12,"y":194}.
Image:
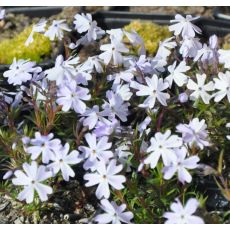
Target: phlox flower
{"x":116,"y":105}
{"x":113,"y":51}
{"x":140,"y":66}
{"x":122,"y":154}
{"x":224,"y":57}
{"x":180,"y":166}
{"x":105,"y":176}
{"x":208,"y":53}
{"x":183,"y":215}
{"x":99,"y":149}
{"x":142,"y":127}
{"x":37,"y":28}
{"x":117,"y":34}
{"x":45,"y":145}
{"x":194,"y":133}
{"x":91,"y":64}
{"x":94,"y":115}
{"x":162,"y":145}
{"x":106,"y":129}
{"x":62,"y":160}
{"x":136,"y":40}
{"x":62,"y":69}
{"x":222,"y":84}
{"x":158,"y":64}
{"x":153,"y":90}
{"x":123,"y":91}
{"x":200,"y":89}
{"x":177,"y":74}
{"x":84,"y":23}
{"x":114,"y":213}
{"x":189,"y":47}
{"x":32,"y":179}
{"x":165,"y":47}
{"x":57,"y":30}
{"x":184,"y":26}
{"x":117,"y":78}
{"x":21,"y":71}
{"x":71,"y":96}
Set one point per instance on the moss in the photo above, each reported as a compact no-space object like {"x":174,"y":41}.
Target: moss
{"x":36,"y":51}
{"x":151,"y":33}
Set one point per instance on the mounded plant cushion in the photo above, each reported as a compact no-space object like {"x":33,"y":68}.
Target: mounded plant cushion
{"x":36,"y":51}
{"x":151,"y":33}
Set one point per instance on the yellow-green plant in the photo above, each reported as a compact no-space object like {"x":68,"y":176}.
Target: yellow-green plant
{"x":15,"y":47}
{"x":151,"y":33}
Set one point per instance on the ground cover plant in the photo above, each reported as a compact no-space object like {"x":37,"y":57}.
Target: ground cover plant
{"x":144,"y":129}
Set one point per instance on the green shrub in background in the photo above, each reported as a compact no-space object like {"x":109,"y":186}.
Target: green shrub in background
{"x":36,"y":51}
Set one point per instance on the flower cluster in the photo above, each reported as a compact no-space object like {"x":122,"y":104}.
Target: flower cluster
{"x":109,"y":110}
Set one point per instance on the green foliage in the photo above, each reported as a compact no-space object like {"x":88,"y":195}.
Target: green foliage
{"x":36,"y":51}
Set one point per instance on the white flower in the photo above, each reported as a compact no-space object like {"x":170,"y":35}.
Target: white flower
{"x":183,"y":215}
{"x":113,"y":52}
{"x":143,"y":125}
{"x":184,"y":26}
{"x":2,"y":14}
{"x":123,"y":91}
{"x":44,"y":145}
{"x":92,"y":63}
{"x":21,"y":71}
{"x":153,"y":90}
{"x":224,"y":58}
{"x":208,"y":53}
{"x":122,"y":153}
{"x":117,"y":78}
{"x":116,"y":34}
{"x":157,"y":65}
{"x":113,"y":213}
{"x":177,"y":74}
{"x":142,"y":65}
{"x":37,"y":28}
{"x":97,"y":150}
{"x":84,"y":23}
{"x":165,"y":47}
{"x":136,"y":40}
{"x":71,"y":96}
{"x":180,"y":166}
{"x":105,"y":176}
{"x":189,"y":47}
{"x":116,"y":105}
{"x":200,"y":88}
{"x":94,"y":115}
{"x":62,"y":69}
{"x":31,"y":180}
{"x":62,"y":160}
{"x":162,"y":145}
{"x":222,"y":84}
{"x":194,"y":133}
{"x":56,"y":30}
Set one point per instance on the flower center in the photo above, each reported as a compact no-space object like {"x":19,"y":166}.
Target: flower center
{"x":61,"y":160}
{"x":94,"y":152}
{"x":32,"y":182}
{"x":104,"y":177}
